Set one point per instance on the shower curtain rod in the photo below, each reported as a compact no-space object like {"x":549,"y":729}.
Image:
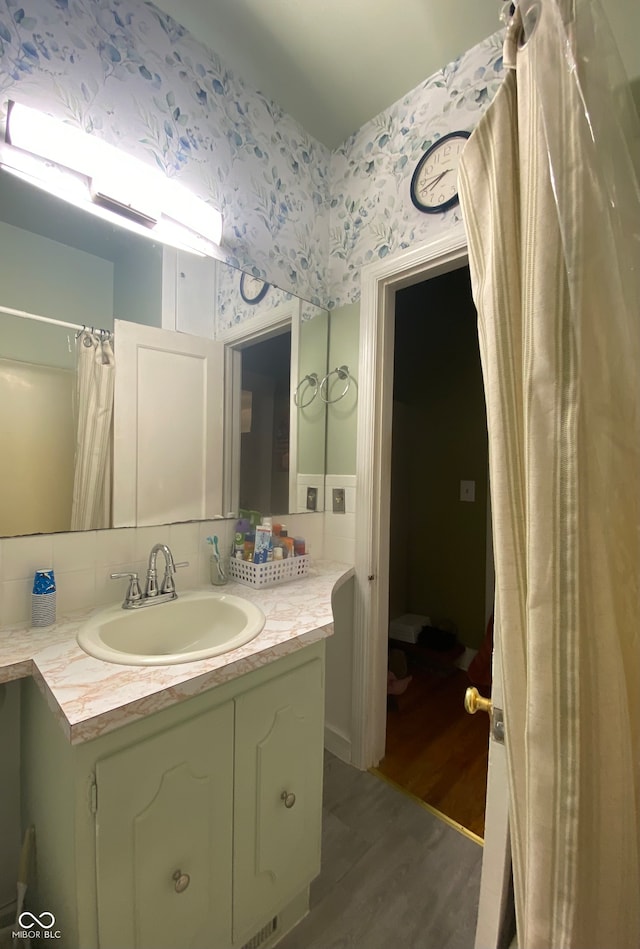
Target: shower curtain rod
{"x":47,"y":319}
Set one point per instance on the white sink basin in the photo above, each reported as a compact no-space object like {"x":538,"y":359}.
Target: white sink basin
{"x":193,"y":626}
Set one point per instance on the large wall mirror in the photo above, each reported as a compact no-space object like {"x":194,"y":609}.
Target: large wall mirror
{"x":64,"y":264}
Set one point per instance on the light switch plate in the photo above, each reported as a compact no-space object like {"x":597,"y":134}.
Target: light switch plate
{"x":312,"y":499}
{"x":467,"y":490}
{"x":338,"y":500}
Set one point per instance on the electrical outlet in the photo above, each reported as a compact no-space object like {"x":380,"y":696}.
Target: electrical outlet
{"x":338,"y":500}
{"x":312,"y":499}
{"x":467,"y":490}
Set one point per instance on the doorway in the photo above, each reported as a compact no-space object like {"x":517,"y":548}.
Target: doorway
{"x":440,"y":580}
{"x":381,"y":281}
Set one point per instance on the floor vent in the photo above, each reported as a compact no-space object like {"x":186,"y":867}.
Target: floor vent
{"x":265,"y":933}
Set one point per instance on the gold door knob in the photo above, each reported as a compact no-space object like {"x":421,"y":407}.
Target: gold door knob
{"x":474,"y":702}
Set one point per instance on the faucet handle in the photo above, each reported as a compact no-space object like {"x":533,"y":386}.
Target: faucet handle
{"x":134,"y":592}
{"x":168,"y":585}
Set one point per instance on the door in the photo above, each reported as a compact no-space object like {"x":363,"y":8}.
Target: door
{"x":380,"y":280}
{"x":168,"y":434}
{"x":496,"y":910}
{"x":164,"y":838}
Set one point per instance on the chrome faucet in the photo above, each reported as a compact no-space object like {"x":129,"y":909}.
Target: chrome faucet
{"x":135,"y":599}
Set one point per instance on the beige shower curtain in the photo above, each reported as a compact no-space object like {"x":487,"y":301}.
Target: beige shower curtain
{"x":95,"y":368}
{"x":549,"y":190}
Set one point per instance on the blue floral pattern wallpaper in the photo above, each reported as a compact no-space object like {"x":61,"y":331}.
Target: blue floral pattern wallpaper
{"x":304,"y":219}
{"x":129,"y":73}
{"x":231,"y":309}
{"x":372,"y":215}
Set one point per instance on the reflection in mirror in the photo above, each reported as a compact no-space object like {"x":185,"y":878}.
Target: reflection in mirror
{"x":59,"y":262}
{"x":264,"y":438}
{"x":313,"y":354}
{"x":69,"y":267}
{"x":278,"y":466}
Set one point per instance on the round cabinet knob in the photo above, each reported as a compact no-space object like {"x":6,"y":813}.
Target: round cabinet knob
{"x":474,"y":702}
{"x":289,"y":798}
{"x":182,"y":881}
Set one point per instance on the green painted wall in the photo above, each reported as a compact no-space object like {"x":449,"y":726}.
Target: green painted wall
{"x":441,"y":439}
{"x":138,"y":283}
{"x":49,"y":278}
{"x":342,"y":416}
{"x":312,"y":358}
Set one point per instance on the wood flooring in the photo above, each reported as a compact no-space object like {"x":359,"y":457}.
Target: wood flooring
{"x":436,"y":750}
{"x":393,"y":875}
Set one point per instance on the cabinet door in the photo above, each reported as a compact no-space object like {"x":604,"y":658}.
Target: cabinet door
{"x":165,"y":809}
{"x":279,"y":751}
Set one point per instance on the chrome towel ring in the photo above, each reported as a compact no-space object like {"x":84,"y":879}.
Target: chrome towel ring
{"x":342,"y":372}
{"x":309,"y":382}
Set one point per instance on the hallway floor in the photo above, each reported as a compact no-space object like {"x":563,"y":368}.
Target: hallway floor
{"x":435,"y":750}
{"x":393,"y":875}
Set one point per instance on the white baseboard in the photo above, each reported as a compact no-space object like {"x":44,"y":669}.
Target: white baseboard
{"x":337,"y":743}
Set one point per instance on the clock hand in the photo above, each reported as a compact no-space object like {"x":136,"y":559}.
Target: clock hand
{"x":438,"y":178}
{"x":432,"y":182}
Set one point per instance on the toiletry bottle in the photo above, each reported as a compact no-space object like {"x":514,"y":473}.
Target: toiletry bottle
{"x":249,"y":545}
{"x":241,"y":528}
{"x":238,"y":545}
{"x":288,"y":542}
{"x":299,"y":546}
{"x":263,"y":543}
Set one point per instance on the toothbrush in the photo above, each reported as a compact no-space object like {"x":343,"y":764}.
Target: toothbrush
{"x":216,"y":553}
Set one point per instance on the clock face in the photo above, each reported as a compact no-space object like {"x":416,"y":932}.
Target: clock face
{"x":434,"y":186}
{"x":252,"y":288}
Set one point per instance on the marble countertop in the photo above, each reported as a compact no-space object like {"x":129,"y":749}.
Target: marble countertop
{"x":90,"y":697}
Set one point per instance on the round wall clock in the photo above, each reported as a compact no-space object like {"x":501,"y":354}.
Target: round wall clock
{"x":434,"y":185}
{"x":252,"y":289}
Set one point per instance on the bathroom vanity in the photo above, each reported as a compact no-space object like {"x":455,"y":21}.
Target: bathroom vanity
{"x":189,"y":814}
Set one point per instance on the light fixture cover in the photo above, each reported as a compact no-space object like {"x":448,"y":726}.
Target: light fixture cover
{"x":95,"y":175}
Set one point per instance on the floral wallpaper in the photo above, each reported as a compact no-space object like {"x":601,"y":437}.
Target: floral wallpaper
{"x":231,"y":309}
{"x":303,"y":219}
{"x":124,"y":70}
{"x":371,"y":211}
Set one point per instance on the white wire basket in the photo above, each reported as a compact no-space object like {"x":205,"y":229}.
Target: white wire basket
{"x":268,"y":574}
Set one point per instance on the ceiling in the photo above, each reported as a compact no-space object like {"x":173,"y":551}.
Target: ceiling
{"x":335,"y":64}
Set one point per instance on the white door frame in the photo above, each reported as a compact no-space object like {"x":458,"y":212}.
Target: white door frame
{"x":380,"y":282}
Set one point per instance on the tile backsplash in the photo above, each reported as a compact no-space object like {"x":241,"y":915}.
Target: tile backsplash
{"x":84,"y":561}
{"x":340,"y":529}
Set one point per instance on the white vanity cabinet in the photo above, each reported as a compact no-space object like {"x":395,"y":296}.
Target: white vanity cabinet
{"x":197,"y":826}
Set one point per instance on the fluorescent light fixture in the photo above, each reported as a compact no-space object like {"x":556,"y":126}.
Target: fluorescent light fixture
{"x":98,"y":177}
